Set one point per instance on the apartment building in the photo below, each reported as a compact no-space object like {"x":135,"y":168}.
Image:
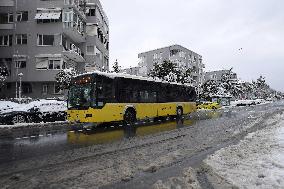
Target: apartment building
{"x":183,"y":57}
{"x":40,"y":37}
{"x":131,"y":70}
{"x":217,"y":75}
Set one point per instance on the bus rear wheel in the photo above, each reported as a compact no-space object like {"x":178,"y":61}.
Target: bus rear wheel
{"x":179,"y":112}
{"x":129,"y":116}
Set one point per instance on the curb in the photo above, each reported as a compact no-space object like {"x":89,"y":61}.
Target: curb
{"x":6,"y":130}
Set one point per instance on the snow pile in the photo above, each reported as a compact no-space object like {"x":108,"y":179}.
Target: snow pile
{"x":257,"y":161}
{"x":7,"y":105}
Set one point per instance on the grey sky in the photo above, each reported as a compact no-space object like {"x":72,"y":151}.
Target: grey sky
{"x":215,"y":29}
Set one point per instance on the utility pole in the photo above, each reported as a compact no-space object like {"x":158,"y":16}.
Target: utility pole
{"x":17,"y":70}
{"x":20,"y":88}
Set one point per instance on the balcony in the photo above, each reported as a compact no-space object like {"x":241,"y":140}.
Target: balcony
{"x":78,"y":8}
{"x":6,"y":26}
{"x":73,"y":33}
{"x":74,"y":54}
{"x":7,"y":3}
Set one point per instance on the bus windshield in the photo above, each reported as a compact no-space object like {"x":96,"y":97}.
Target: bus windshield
{"x":80,"y":96}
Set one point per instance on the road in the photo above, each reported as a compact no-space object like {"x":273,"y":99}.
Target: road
{"x":146,"y":155}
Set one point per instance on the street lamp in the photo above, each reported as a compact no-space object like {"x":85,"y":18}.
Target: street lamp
{"x":20,"y":88}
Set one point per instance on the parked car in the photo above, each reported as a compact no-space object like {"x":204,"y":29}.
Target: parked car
{"x":244,"y":102}
{"x":259,"y":101}
{"x":36,"y":111}
{"x":208,"y":105}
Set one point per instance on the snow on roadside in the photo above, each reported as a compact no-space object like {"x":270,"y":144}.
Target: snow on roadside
{"x":257,"y":161}
{"x":43,"y":105}
{"x":187,"y":180}
{"x":7,"y":105}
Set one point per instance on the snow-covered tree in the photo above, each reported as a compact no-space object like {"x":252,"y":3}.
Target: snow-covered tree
{"x":116,"y":67}
{"x":169,"y":71}
{"x":262,"y":89}
{"x":208,"y":89}
{"x":3,"y":75}
{"x":63,"y":77}
{"x":231,"y":84}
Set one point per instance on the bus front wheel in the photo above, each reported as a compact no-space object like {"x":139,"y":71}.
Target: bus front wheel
{"x":129,"y":116}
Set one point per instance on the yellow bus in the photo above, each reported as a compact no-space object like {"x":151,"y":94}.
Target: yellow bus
{"x":101,"y":97}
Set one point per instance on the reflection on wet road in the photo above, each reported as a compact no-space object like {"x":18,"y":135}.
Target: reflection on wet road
{"x":39,"y":143}
{"x":112,"y":134}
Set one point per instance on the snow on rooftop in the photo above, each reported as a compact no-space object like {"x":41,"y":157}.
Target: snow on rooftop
{"x":123,"y":75}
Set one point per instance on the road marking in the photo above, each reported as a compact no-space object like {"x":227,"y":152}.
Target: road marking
{"x":40,"y":135}
{"x":18,"y":138}
{"x":80,"y":130}
{"x":33,"y":136}
{"x":25,"y":137}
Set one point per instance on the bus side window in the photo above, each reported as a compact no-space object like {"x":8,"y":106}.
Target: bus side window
{"x":134,"y":97}
{"x":153,"y":97}
{"x":148,"y":96}
{"x":108,"y":89}
{"x":124,"y":95}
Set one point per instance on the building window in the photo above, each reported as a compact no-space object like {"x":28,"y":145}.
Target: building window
{"x":6,"y":18}
{"x":182,"y":54}
{"x":6,"y":40}
{"x":50,"y":64}
{"x":90,"y":50}
{"x":21,"y":39}
{"x":71,"y":2}
{"x":68,"y":19}
{"x":20,"y":64}
{"x":98,"y":53}
{"x":44,"y":88}
{"x":64,"y":65}
{"x":92,"y":12}
{"x":26,"y":88}
{"x":45,"y":40}
{"x":57,"y":89}
{"x":22,"y":16}
{"x":174,"y":52}
{"x":54,"y":64}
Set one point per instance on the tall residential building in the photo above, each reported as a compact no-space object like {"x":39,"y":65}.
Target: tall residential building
{"x":183,"y":57}
{"x":40,"y":37}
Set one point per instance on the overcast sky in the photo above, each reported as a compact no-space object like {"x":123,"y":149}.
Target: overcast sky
{"x":215,"y":29}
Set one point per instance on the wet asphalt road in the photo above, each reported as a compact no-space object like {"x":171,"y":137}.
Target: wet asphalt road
{"x":123,"y":156}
